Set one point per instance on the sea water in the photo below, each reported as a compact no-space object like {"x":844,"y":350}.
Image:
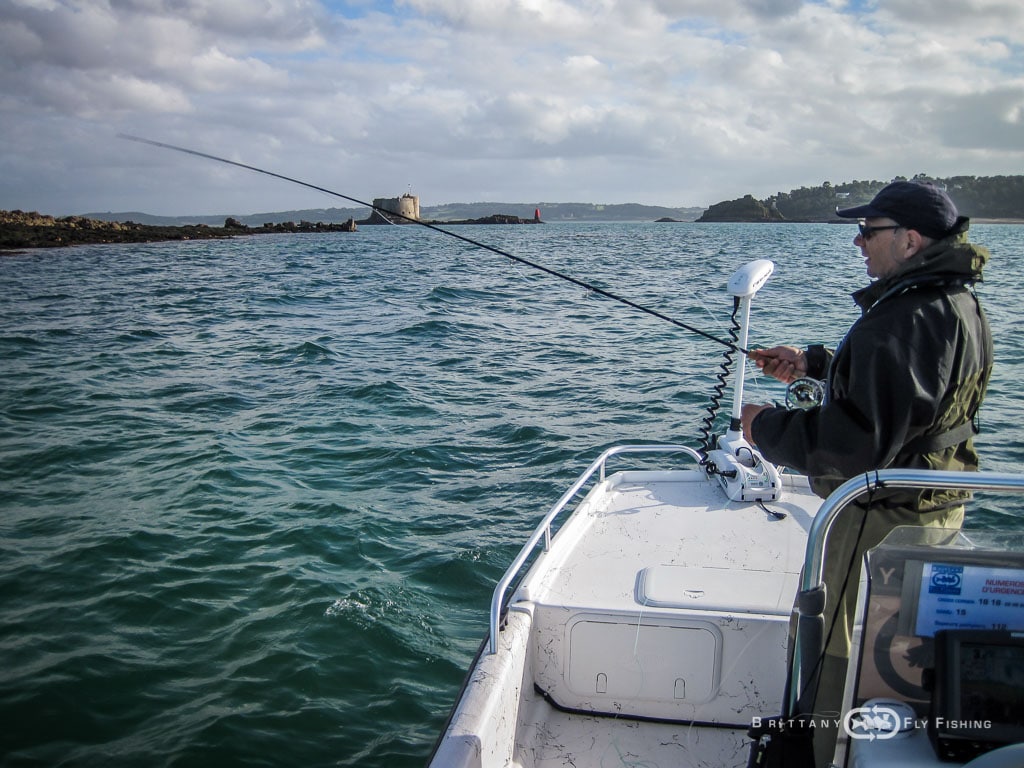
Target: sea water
{"x":255,"y":493}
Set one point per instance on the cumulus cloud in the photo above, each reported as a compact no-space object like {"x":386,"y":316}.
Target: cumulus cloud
{"x":674,"y":102}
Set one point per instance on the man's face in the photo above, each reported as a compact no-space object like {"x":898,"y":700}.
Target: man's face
{"x":883,"y":244}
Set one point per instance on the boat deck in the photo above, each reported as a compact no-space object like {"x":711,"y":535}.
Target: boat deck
{"x":677,"y":520}
{"x":659,"y":623}
{"x":654,"y":630}
{"x":578,"y":740}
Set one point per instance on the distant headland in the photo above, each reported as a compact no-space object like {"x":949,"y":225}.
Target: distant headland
{"x":993,"y":198}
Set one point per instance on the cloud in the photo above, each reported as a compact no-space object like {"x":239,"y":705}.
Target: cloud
{"x":674,"y":102}
{"x":991,"y":122}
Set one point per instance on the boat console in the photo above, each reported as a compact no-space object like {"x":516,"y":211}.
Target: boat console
{"x":941,"y":638}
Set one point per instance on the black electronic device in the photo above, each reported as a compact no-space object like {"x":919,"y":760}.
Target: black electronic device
{"x":976,"y":702}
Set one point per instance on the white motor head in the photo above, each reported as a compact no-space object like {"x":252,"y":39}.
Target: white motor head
{"x":748,"y":279}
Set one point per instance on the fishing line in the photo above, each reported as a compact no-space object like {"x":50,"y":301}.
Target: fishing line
{"x":463,"y":238}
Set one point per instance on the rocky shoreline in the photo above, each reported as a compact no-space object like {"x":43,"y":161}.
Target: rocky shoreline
{"x":20,"y":230}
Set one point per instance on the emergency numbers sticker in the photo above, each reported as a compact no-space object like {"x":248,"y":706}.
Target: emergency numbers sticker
{"x":969,"y":597}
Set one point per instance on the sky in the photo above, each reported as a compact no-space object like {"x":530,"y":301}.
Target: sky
{"x":661,"y":102}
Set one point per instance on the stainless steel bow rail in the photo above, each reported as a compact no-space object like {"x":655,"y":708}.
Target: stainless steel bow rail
{"x":543,"y":529}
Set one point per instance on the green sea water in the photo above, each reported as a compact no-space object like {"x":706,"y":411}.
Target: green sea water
{"x":255,"y":493}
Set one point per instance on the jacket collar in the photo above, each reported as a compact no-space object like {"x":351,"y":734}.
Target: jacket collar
{"x":951,"y":259}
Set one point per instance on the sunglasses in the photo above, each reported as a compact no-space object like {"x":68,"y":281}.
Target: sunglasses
{"x":867,"y":231}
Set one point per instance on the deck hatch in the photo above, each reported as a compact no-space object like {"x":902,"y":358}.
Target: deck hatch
{"x":649,"y":661}
{"x":716,"y":589}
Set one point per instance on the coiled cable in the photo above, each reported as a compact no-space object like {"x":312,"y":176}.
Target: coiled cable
{"x":718,"y":391}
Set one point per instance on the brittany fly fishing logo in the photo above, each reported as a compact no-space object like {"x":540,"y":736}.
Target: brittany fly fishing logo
{"x":878,"y":721}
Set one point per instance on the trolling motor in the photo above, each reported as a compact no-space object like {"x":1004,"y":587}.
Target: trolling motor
{"x":740,"y":468}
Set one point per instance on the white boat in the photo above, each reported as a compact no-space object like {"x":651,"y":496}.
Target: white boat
{"x":653,"y":627}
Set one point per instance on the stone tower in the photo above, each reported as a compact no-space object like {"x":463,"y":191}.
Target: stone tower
{"x":407,"y":205}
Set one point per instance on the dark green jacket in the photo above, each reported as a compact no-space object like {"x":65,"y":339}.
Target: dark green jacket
{"x":914,"y":366}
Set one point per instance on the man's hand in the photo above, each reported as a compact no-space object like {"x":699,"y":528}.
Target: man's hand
{"x":787,"y":364}
{"x":747,"y":417}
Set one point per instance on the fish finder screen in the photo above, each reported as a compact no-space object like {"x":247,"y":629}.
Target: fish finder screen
{"x":976,"y":703}
{"x":991,"y":679}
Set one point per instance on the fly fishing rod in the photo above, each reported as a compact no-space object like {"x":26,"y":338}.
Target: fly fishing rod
{"x":463,"y":238}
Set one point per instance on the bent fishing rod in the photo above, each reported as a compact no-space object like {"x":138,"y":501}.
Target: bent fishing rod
{"x":463,"y":238}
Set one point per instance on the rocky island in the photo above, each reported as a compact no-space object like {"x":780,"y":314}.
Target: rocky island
{"x":496,"y":218}
{"x":19,"y":230}
{"x":746,"y":209}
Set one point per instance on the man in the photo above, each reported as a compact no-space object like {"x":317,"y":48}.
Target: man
{"x":903,"y":389}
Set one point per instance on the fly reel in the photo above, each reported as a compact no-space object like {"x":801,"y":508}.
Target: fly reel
{"x":805,"y":393}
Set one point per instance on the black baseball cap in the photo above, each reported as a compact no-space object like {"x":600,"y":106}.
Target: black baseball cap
{"x":911,"y":204}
